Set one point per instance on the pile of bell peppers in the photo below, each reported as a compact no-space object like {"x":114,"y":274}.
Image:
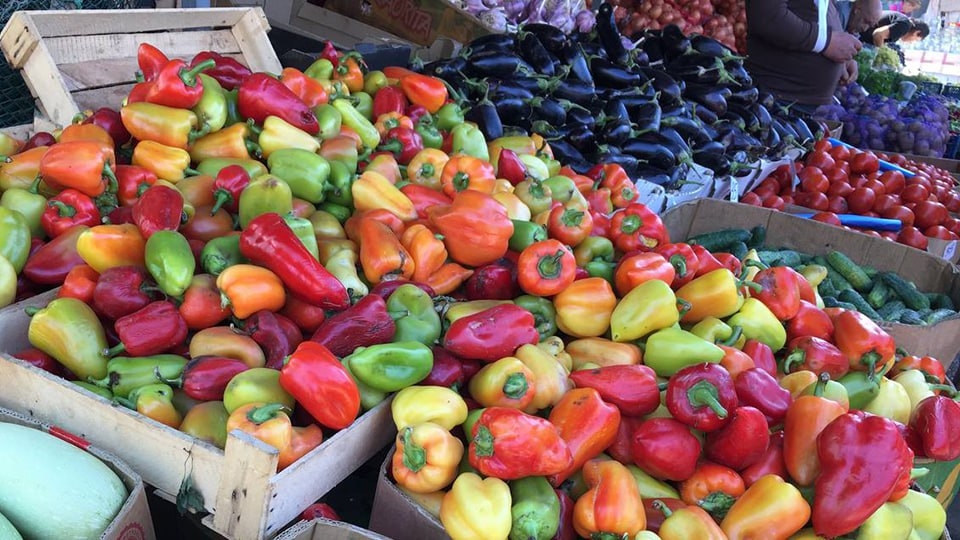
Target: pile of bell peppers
{"x":278,"y":253}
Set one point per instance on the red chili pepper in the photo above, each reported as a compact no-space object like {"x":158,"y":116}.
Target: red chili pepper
{"x":322,"y":385}
{"x":666,"y":449}
{"x":706,"y":262}
{"x":319,"y":511}
{"x":770,"y":462}
{"x":816,"y":355}
{"x":684,"y":261}
{"x":132,"y":181}
{"x":757,"y":388}
{"x":261,"y":96}
{"x":494,"y":281}
{"x":762,"y":355}
{"x":363,"y":324}
{"x":266,"y":328}
{"x":122,"y":290}
{"x":389,"y":99}
{"x":510,"y":167}
{"x":160,"y":208}
{"x":779,"y":290}
{"x":637,"y":228}
{"x":152,"y":329}
{"x":742,"y":442}
{"x":403,"y":143}
{"x":52,"y":261}
{"x":509,"y":444}
{"x":177,"y":85}
{"x":227,"y":186}
{"x":39,"y":359}
{"x":150,"y":60}
{"x":491,"y":334}
{"x":937,"y":420}
{"x":702,"y":396}
{"x":866,"y":346}
{"x":227,"y":71}
{"x":206,"y":377}
{"x":110,"y":121}
{"x":269,"y":242}
{"x":386,"y":288}
{"x":66,"y":210}
{"x":632,"y":388}
{"x":810,"y":321}
{"x":447,"y":370}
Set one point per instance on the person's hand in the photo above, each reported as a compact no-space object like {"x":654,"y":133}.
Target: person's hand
{"x":842,"y":47}
{"x":850,"y":72}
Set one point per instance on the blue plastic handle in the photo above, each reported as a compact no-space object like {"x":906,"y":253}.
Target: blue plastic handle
{"x":884,"y":165}
{"x":864,"y":222}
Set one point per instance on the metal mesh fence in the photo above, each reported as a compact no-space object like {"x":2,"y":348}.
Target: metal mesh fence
{"x":16,"y":103}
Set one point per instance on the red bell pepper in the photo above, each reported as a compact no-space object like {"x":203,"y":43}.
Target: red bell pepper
{"x":684,"y":261}
{"x":757,"y":388}
{"x":389,"y":99}
{"x":620,"y":449}
{"x":121,"y":291}
{"x":309,"y":90}
{"x":447,"y":370}
{"x":133,"y":181}
{"x":598,"y":201}
{"x":508,"y":444}
{"x":816,"y":355}
{"x":269,"y":242}
{"x":637,"y":228}
{"x":494,"y":281}
{"x":702,"y":396}
{"x":937,"y":420}
{"x":227,"y":186}
{"x":177,"y":85}
{"x":322,"y":385}
{"x":862,"y":458}
{"x":930,"y":366}
{"x":319,"y":511}
{"x":510,"y":167}
{"x":150,"y":60}
{"x":706,"y":262}
{"x":730,"y":262}
{"x":632,"y":388}
{"x":110,"y":121}
{"x":227,"y":71}
{"x":666,"y":449}
{"x":261,"y":96}
{"x":770,"y":462}
{"x":779,"y":290}
{"x":492,"y":333}
{"x":423,"y":198}
{"x":588,"y":424}
{"x":159,"y":208}
{"x":80,"y":282}
{"x":152,"y":329}
{"x":331,"y":53}
{"x":40,"y":138}
{"x":363,"y":324}
{"x":39,"y":359}
{"x":402,"y":142}
{"x":742,"y":442}
{"x":272,"y":332}
{"x":810,"y":321}
{"x":762,"y":355}
{"x":306,"y":316}
{"x":866,"y":346}
{"x":206,"y":377}
{"x":52,"y":261}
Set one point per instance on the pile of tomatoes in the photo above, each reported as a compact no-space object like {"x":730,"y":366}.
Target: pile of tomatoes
{"x":835,"y":180}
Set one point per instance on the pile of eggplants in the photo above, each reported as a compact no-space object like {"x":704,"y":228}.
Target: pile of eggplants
{"x":655,"y":106}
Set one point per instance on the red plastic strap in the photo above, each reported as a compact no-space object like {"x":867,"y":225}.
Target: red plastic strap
{"x":65,"y":435}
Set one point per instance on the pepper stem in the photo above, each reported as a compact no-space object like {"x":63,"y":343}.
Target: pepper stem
{"x":631,"y":224}
{"x":483,"y":442}
{"x":717,"y":504}
{"x":112,"y":185}
{"x":821,"y":386}
{"x":679,"y":263}
{"x":35,"y":186}
{"x":794,"y":359}
{"x":870,"y":360}
{"x":189,"y":75}
{"x":705,"y":394}
{"x":516,"y":386}
{"x":264,"y":413}
{"x":734,"y":337}
{"x":115,"y":350}
{"x":31,"y":311}
{"x":222,"y":197}
{"x":414,"y":456}
{"x":63,"y":210}
{"x":663,"y":508}
{"x":549,"y":266}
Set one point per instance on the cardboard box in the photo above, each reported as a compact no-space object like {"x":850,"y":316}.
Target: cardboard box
{"x":133,"y":522}
{"x":419,"y":21}
{"x":929,"y":272}
{"x":239,"y":486}
{"x":397,"y":516}
{"x":324,"y":529}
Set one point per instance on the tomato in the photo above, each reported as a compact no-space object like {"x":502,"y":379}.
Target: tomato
{"x":889,"y":235}
{"x":840,"y":153}
{"x":813,"y":179}
{"x":838,"y":205}
{"x":952,"y":224}
{"x":893,"y":181}
{"x":915,"y":193}
{"x":869,"y":232}
{"x":773,"y":202}
{"x":930,"y":213}
{"x":920,"y":179}
{"x":839,"y":189}
{"x":826,"y":217}
{"x":822,"y":145}
{"x":911,"y":236}
{"x":941,"y":232}
{"x":751,"y":198}
{"x":787,"y":199}
{"x":876,"y":186}
{"x":864,"y":163}
{"x":904,"y":214}
{"x":812,"y":199}
{"x":857,"y":181}
{"x":884,"y":202}
{"x":820,"y":160}
{"x":861,"y":200}
{"x":769,"y":184}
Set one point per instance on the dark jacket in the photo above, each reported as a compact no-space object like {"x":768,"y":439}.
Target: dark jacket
{"x":899,"y":25}
{"x":782,"y":36}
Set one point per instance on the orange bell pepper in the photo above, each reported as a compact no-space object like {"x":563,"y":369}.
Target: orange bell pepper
{"x":381,"y":253}
{"x":352,"y":229}
{"x":546,"y":268}
{"x":712,"y":487}
{"x":475,"y":228}
{"x":302,"y":442}
{"x":249,"y":289}
{"x":374,"y":191}
{"x":602,"y":352}
{"x":350,"y":71}
{"x":584,"y":307}
{"x":230,"y":142}
{"x":770,"y":508}
{"x":427,"y":251}
{"x":588,"y":424}
{"x":20,"y":170}
{"x":389,"y":120}
{"x":265,"y":421}
{"x":310,"y":91}
{"x":81,"y":165}
{"x":109,"y":246}
{"x":448,"y":278}
{"x":430,"y":92}
{"x":463,"y":172}
{"x":806,"y":417}
{"x":426,"y":167}
{"x":612,"y":507}
{"x":79,"y":283}
{"x":504,"y":383}
{"x":638,"y":268}
{"x":735,"y":361}
{"x":87,"y":132}
{"x":167,"y":162}
{"x":427,"y":458}
{"x":225,"y":341}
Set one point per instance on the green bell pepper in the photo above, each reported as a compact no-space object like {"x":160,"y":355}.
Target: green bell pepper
{"x":98,"y":390}
{"x":449,"y":116}
{"x":466,"y":138}
{"x":832,"y":390}
{"x":759,"y":323}
{"x":305,"y":172}
{"x":207,"y":421}
{"x":564,"y":190}
{"x":526,"y":233}
{"x":321,"y":70}
{"x":929,"y":517}
{"x":861,"y":388}
{"x":472,"y":418}
{"x":535,"y":195}
{"x":303,"y":228}
{"x":221,"y":253}
{"x":355,"y":120}
{"x":669,"y":350}
{"x":70,"y":331}
{"x":339,"y":188}
{"x":233,"y":110}
{"x":363,"y":103}
{"x":713,"y":330}
{"x":212,"y":166}
{"x":339,"y":211}
{"x":373,"y":81}
{"x":535,"y":510}
{"x":544,"y":314}
{"x":265,"y":194}
{"x":432,"y":138}
{"x":14,"y":237}
{"x":256,"y":385}
{"x":170,"y":261}
{"x":892,"y":521}
{"x":412,"y":310}
{"x":596,"y":255}
{"x":212,"y":108}
{"x":329,"y":119}
{"x":389,"y":367}
{"x":29,"y":203}
{"x":369,"y":396}
{"x":125,"y":374}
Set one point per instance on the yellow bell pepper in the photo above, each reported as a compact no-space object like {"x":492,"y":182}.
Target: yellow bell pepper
{"x":553,"y":346}
{"x":752,"y":270}
{"x":428,"y":501}
{"x":426,"y":168}
{"x":585,"y":307}
{"x":929,"y":516}
{"x":508,"y":382}
{"x":798,"y":381}
{"x":477,"y":509}
{"x":714,"y":330}
{"x":551,"y":378}
{"x":650,"y":306}
{"x":108,"y":246}
{"x":502,"y":186}
{"x":602,"y":352}
{"x":770,"y":508}
{"x":715,"y":294}
{"x":167,"y":162}
{"x":459,"y":310}
{"x":427,"y":458}
{"x":373,"y":191}
{"x":892,"y":401}
{"x":759,"y":323}
{"x":277,"y":133}
{"x":435,"y":404}
{"x":516,"y":209}
{"x":814,"y":274}
{"x":339,"y":257}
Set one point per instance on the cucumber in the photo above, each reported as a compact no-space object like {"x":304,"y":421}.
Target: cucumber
{"x":850,"y":271}
{"x":907,"y":292}
{"x":870,"y":271}
{"x":826,"y":288}
{"x":853,"y":297}
{"x":7,"y":531}
{"x":769,"y":257}
{"x":938,"y":315}
{"x":891,"y":310}
{"x":791,"y":258}
{"x":720,"y":241}
{"x":940,"y":301}
{"x":739,"y":250}
{"x":879,"y":294}
{"x":829,"y":301}
{"x":838,"y":281}
{"x":758,"y":235}
{"x":52,"y":489}
{"x":911,"y":317}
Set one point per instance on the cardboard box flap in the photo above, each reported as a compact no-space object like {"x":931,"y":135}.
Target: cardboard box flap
{"x":323,"y":529}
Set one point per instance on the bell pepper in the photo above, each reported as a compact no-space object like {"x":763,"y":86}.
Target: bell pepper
{"x":303,"y":230}
{"x":426,"y":168}
{"x":476,"y":228}
{"x":159,"y":208}
{"x":302,"y":442}
{"x":735,"y":361}
{"x":476,"y":508}
{"x":372,"y":191}
{"x":402,"y":142}
{"x":69,"y":331}
{"x":602,"y":352}
{"x":757,"y":388}
{"x":632,"y":388}
{"x":68,"y":209}
{"x":612,"y":507}
{"x":221,"y":253}
{"x":684,"y":261}
{"x":382,"y":256}
{"x":806,"y":419}
{"x":82,"y":165}
{"x":304,"y":171}
{"x":494,"y":281}
{"x":713,"y":488}
{"x":687,"y":522}
{"x":468,"y":140}
{"x":509,"y":444}
{"x":155,"y":402}
{"x":587,"y":424}
{"x":427,"y":251}
{"x":350,"y":69}
{"x":770,"y":507}
{"x":305,"y":316}
{"x":462,"y":172}
{"x":569,"y":224}
{"x":929,"y":517}
{"x":428,"y":404}
{"x":892,"y":401}
{"x":166,"y":162}
{"x":15,"y":233}
{"x":638,"y":268}
{"x":447,"y":371}
{"x":936,"y":418}
{"x":177,"y":86}
{"x":831,"y":390}
{"x":526,"y":233}
{"x":170,"y":262}
{"x":226,"y":71}
{"x":810,"y":321}
{"x":891,"y":520}
{"x":20,"y":170}
{"x":278,"y":134}
{"x":132,"y":181}
{"x":266,"y":422}
{"x":79,"y":283}
{"x":363,"y":324}
{"x":309,"y":90}
{"x":492,"y":333}
{"x":256,"y":385}
{"x":208,"y":422}
{"x":169,"y":126}
{"x":152,"y":329}
{"x":205,"y":378}
{"x":212,"y":166}
{"x":120,"y":291}
{"x":536,"y":509}
{"x":412,"y":310}
{"x":452,"y":310}
{"x":649,"y":307}
{"x":247,"y":289}
{"x":779,"y":290}
{"x":427,"y":128}
{"x":321,"y":384}
{"x":277,"y":335}
{"x":356,"y":121}
{"x":426,"y":458}
{"x":850,"y":444}
{"x":385,"y":164}
{"x":211,"y":109}
{"x":389,"y":99}
{"x":126,"y":374}
{"x":261,"y":96}
{"x":34,"y":206}
{"x":268,"y":241}
{"x":584,"y":308}
{"x":535,"y":194}
{"x":861,"y":388}
{"x":665,"y":448}
{"x":107,"y":246}
{"x":742,"y":442}
{"x":931,"y":367}
{"x":430,"y":92}
{"x":866,"y":346}
{"x":715,"y":293}
{"x":636,"y":227}
{"x":504,"y":383}
{"x":339,"y":257}
{"x":815,"y":354}
{"x":150,"y":60}
{"x":670,"y":350}
{"x":758,"y":322}
{"x":390,"y":367}
{"x":770,"y":462}
{"x":701,"y":396}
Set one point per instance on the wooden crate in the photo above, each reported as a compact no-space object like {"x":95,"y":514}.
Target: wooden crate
{"x":75,"y":60}
{"x":246,"y":498}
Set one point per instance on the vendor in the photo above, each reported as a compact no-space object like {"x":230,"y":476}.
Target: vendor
{"x":798,"y":50}
{"x":895,"y":27}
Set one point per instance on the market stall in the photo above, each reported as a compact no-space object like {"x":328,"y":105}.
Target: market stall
{"x":503,"y":290}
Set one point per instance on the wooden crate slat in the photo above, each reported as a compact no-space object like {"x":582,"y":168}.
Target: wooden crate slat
{"x":74,"y":49}
{"x":245,"y":487}
{"x":251,"y":35}
{"x":100,"y":21}
{"x":18,"y":39}
{"x":42,"y":76}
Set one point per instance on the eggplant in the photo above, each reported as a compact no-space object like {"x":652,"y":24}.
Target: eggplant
{"x":773,"y":139}
{"x":710,"y":47}
{"x":645,"y":92}
{"x":688,"y":128}
{"x":443,"y":68}
{"x":496,"y":64}
{"x":614,"y":109}
{"x":663,"y":82}
{"x":711,"y":97}
{"x":578,"y":92}
{"x":745,"y":97}
{"x":655,"y":155}
{"x":647,"y":117}
{"x":751,"y":123}
{"x":784,"y":129}
{"x":507,"y":90}
{"x":609,"y":36}
{"x":490,"y":42}
{"x":674,"y":42}
{"x":548,"y":131}
{"x":653,"y":175}
{"x":575,"y":62}
{"x":737,"y":141}
{"x":705,"y":115}
{"x":552,"y":38}
{"x":712,"y":156}
{"x":582,"y":116}
{"x":630,"y":164}
{"x":513,"y":107}
{"x":533,"y":51}
{"x":767,"y":99}
{"x":582,"y":137}
{"x":616,"y":132}
{"x":610,"y":75}
{"x":738,"y":73}
{"x":548,"y":110}
{"x":564,"y":151}
{"x":485,"y":115}
{"x":652,"y":46}
{"x":803,"y":130}
{"x":675,"y":143}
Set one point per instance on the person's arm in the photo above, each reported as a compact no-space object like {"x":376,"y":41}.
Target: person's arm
{"x":881,"y":34}
{"x":773,"y":22}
